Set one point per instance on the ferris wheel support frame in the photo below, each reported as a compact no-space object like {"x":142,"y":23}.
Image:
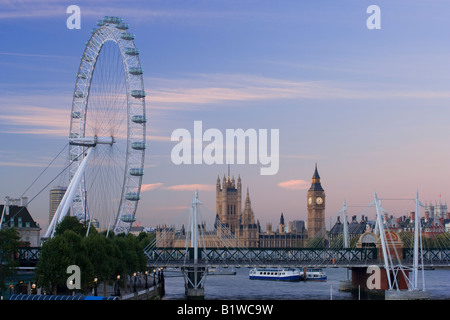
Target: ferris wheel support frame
{"x":66,"y":201}
{"x":111,"y":29}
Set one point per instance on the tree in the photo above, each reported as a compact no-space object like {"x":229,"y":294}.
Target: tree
{"x":133,"y":254}
{"x":97,"y":256}
{"x":105,"y":258}
{"x":72,"y":223}
{"x":9,"y":242}
{"x":57,"y":254}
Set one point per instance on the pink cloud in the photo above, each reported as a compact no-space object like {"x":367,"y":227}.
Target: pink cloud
{"x":150,"y":186}
{"x":191,"y":187}
{"x":294,"y":185}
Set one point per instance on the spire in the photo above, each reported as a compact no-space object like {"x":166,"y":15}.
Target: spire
{"x":316,"y":174}
{"x":247,"y":214}
{"x":282,"y":219}
{"x":248,"y":204}
{"x":315,"y":185}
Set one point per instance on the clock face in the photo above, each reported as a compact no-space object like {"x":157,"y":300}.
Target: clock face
{"x":319,"y":200}
{"x":310,"y":200}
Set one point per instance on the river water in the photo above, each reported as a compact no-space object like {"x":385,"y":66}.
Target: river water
{"x":240,"y":287}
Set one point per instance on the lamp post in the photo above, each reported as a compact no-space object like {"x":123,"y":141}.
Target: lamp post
{"x":33,"y":288}
{"x":146,"y":283}
{"x":154,"y":274}
{"x":95,"y":286}
{"x":71,"y":285}
{"x":134,"y":282}
{"x":118,"y":286}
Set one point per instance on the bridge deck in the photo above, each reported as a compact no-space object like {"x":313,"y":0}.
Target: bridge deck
{"x":253,"y":257}
{"x":287,"y":257}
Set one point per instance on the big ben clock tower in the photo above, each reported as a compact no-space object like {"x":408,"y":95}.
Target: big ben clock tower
{"x":316,"y":207}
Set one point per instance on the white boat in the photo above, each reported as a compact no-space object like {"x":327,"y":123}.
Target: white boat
{"x":314,"y":274}
{"x":277,"y":274}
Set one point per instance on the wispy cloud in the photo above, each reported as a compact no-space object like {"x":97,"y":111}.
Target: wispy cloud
{"x":41,"y":113}
{"x":151,"y":186}
{"x":179,"y":187}
{"x":203,"y":90}
{"x":35,"y":120}
{"x":294,"y":185}
{"x":172,"y":208}
{"x":191,"y":187}
{"x":140,"y":11}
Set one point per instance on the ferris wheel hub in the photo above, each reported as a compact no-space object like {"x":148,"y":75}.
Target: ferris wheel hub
{"x":91,"y":141}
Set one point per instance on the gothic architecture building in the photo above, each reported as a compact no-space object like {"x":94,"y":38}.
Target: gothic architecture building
{"x":316,"y":207}
{"x":235,"y":223}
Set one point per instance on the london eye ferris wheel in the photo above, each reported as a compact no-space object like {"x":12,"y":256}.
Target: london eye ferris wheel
{"x":107,"y":138}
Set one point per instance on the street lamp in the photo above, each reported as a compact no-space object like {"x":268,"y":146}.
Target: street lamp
{"x":146,"y":283}
{"x":118,"y":286}
{"x":95,"y":286}
{"x":33,"y":288}
{"x":71,"y":285}
{"x":134,"y":284}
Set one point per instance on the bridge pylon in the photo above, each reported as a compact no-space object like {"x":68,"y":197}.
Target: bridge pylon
{"x":193,"y":273}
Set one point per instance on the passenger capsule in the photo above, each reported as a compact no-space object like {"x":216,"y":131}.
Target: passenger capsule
{"x":79,"y":94}
{"x":139,"y":145}
{"x":128,"y":218}
{"x":136,"y":172}
{"x":132,"y":51}
{"x":113,"y":20}
{"x":139,"y":119}
{"x":133,"y":196}
{"x":122,"y":26}
{"x":136,"y":71}
{"x":127,"y":36}
{"x":138,"y":93}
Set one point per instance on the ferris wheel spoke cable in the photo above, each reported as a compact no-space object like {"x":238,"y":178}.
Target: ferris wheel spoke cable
{"x":104,"y":104}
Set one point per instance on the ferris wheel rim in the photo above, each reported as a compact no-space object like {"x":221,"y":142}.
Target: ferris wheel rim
{"x":112,"y":29}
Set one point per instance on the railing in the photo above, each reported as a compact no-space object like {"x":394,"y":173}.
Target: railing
{"x":173,"y":257}
{"x":29,"y":256}
{"x":431,"y":256}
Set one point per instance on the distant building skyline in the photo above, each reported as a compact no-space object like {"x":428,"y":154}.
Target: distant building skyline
{"x":55,"y":196}
{"x":371,"y":107}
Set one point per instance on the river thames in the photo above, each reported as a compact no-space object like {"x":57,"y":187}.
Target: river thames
{"x":240,"y":287}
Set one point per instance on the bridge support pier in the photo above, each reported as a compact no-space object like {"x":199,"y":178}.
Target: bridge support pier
{"x":372,"y":284}
{"x":194,"y":280}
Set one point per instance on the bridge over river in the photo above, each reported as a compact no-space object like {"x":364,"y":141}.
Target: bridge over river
{"x":287,"y":257}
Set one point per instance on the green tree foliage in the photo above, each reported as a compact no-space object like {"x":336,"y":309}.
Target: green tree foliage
{"x":73,"y":224}
{"x":97,"y":256}
{"x":9,"y":242}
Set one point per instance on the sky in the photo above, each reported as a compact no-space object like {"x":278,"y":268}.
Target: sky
{"x":369,"y":106}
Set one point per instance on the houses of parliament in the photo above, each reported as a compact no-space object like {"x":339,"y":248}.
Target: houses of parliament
{"x":235,"y":223}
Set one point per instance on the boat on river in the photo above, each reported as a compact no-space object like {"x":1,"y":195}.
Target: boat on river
{"x":277,"y":274}
{"x":313,"y":274}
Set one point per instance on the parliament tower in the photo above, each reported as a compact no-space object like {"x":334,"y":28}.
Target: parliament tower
{"x":229,"y":202}
{"x":316,"y":207}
